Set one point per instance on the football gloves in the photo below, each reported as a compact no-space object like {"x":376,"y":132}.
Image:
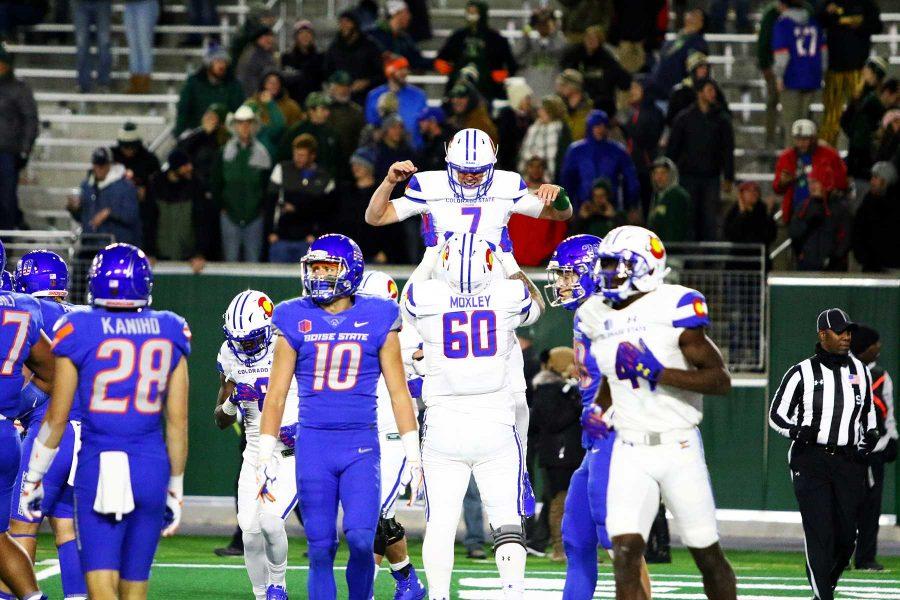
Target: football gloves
{"x":32,"y":494}
{"x":868,"y":442}
{"x":633,"y":362}
{"x":174,"y":503}
{"x":287,"y":435}
{"x":593,"y":423}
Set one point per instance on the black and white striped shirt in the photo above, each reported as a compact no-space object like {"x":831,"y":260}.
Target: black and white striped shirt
{"x":830,"y":393}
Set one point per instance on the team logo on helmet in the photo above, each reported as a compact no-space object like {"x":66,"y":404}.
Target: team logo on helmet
{"x":305,"y":326}
{"x":656,"y":248}
{"x":266,"y":305}
{"x":393,"y":292}
{"x":489,"y":259}
{"x":700,"y":308}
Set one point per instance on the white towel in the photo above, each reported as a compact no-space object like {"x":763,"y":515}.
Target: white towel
{"x":114,"y":495}
{"x":76,"y":427}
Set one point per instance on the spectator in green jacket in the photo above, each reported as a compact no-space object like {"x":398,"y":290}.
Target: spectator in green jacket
{"x":671,"y":214}
{"x":239,"y":182}
{"x":213,"y":83}
{"x":318,"y":112}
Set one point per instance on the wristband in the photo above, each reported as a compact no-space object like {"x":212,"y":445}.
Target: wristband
{"x":561,"y":202}
{"x":410,"y":441}
{"x":176,"y":486}
{"x":266,"y":448}
{"x":229,"y":407}
{"x":41,"y":458}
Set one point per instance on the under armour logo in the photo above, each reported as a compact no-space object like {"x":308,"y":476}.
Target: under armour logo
{"x":818,"y":382}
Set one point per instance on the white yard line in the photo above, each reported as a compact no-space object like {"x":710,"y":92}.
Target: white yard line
{"x":47,"y":573}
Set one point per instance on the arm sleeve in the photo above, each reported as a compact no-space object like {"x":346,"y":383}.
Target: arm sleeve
{"x":406,"y":207}
{"x":691,"y":311}
{"x":181,"y":336}
{"x":783,"y":413}
{"x":527,"y":204}
{"x":65,"y":340}
{"x":887,"y":396}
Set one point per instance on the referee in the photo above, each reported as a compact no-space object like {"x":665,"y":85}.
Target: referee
{"x":824,"y":404}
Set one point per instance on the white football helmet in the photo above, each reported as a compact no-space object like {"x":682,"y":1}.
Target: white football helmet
{"x":632,"y":261}
{"x":248,"y":325}
{"x":466,"y":263}
{"x":379,"y":284}
{"x":471,"y":155}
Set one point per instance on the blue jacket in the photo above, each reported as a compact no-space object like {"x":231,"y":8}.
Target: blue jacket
{"x":120,"y":196}
{"x":411,"y":99}
{"x":588,"y":159}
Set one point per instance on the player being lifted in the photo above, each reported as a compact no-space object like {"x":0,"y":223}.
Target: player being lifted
{"x":244,"y":362}
{"x":336,"y":344}
{"x":124,"y":364}
{"x":45,"y":276}
{"x":572,"y":280}
{"x":470,"y":197}
{"x":467,"y":318}
{"x":648,"y":339}
{"x":390,"y":537}
{"x":22,"y":343}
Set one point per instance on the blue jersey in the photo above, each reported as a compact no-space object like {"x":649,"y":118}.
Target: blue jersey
{"x":589,"y":373}
{"x":20,"y":328}
{"x":337,"y":358}
{"x":124,"y":360}
{"x":804,"y":43}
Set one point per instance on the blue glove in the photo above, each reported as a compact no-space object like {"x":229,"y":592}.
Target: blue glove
{"x":246,"y":393}
{"x":593,"y":426}
{"x":287,"y":434}
{"x":415,"y":386}
{"x":637,"y":361}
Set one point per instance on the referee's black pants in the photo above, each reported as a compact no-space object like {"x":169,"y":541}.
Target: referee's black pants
{"x":870,"y":512}
{"x":830,"y":489}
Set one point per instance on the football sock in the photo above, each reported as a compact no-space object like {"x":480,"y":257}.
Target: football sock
{"x":581,"y":571}
{"x":255,"y":559}
{"x":511,"y":566}
{"x":70,"y":570}
{"x":276,"y":547}
{"x":402,"y":566}
{"x":360,"y":573}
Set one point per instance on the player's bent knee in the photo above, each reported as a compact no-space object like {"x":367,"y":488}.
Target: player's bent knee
{"x":389,"y":532}
{"x":508,"y":534}
{"x":360,"y":540}
{"x":628,"y":550}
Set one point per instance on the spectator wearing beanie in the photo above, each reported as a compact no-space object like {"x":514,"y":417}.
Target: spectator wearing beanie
{"x":392,"y":36}
{"x":685,"y":93}
{"x":820,"y":226}
{"x":642,"y":124}
{"x":598,"y":156}
{"x":141,"y":165}
{"x":800,"y":53}
{"x":875,"y":244}
{"x":432,"y":122}
{"x":107,"y":202}
{"x":346,"y":119}
{"x":513,"y":122}
{"x":353,"y":52}
{"x":539,"y":51}
{"x":748,"y":220}
{"x":547,"y":138}
{"x":849,"y":26}
{"x":671,"y":214}
{"x":481,"y":47}
{"x":318,"y":111}
{"x":860,"y":122}
{"x":212,"y":84}
{"x":468,"y":110}
{"x":597,"y":215}
{"x":602,"y":73}
{"x":570,"y":87}
{"x":202,"y":144}
{"x":534,"y":240}
{"x":411,"y":99}
{"x":795,"y":163}
{"x":257,"y":59}
{"x":701,"y":144}
{"x":304,"y":65}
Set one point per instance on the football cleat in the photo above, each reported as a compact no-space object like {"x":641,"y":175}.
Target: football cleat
{"x":408,"y":587}
{"x":276,"y":592}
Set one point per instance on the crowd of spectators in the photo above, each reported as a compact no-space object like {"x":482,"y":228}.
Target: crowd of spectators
{"x":281,"y":147}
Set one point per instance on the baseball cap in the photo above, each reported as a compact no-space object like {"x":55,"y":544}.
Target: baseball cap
{"x":572,"y":77}
{"x":803,"y":128}
{"x":340,"y":77}
{"x":835,"y":319}
{"x":244,"y":113}
{"x":101,"y":156}
{"x":395,"y":6}
{"x":303,"y":24}
{"x":317,"y":99}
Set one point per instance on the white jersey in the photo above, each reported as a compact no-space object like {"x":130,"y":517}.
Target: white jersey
{"x":257,"y":376}
{"x":410,"y":341}
{"x":657,"y":318}
{"x":429,"y":192}
{"x":467,"y":343}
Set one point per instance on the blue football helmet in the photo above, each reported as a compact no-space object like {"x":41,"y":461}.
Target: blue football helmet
{"x":339,"y":250}
{"x":6,"y":281}
{"x":470,"y":152}
{"x":571,"y":275}
{"x":42,"y":273}
{"x":120,"y":277}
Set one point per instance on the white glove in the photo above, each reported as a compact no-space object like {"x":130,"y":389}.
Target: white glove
{"x":32,"y":492}
{"x":174,"y":503}
{"x":32,"y":495}
{"x":266,"y":468}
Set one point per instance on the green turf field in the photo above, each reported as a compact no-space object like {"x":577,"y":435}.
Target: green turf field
{"x":187,"y":568}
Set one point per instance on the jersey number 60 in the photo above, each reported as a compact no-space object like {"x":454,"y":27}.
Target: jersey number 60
{"x":482,"y":332}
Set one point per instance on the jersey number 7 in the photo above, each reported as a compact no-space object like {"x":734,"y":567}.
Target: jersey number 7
{"x":153,"y":360}
{"x":20,"y":319}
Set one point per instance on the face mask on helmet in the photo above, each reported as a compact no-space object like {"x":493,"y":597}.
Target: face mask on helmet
{"x":470,"y":163}
{"x":568,"y":285}
{"x":250,"y":347}
{"x":621,"y":274}
{"x":248,"y":328}
{"x":324,"y":278}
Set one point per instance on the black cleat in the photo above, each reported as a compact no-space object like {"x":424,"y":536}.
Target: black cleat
{"x":228,"y":551}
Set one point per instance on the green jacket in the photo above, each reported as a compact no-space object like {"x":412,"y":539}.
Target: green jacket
{"x":329,"y":151}
{"x":239,"y":180}
{"x":671,"y":215}
{"x":199,"y":93}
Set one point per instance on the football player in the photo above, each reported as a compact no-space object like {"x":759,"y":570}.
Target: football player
{"x":390,"y":537}
{"x":126,"y":366}
{"x":244,"y":362}
{"x":44,"y":275}
{"x":572,"y":280}
{"x":22,"y":343}
{"x":467,"y":318}
{"x":6,"y":281}
{"x":649,"y":340}
{"x":336,"y":343}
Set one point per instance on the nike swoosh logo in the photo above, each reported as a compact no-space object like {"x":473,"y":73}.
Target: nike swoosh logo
{"x":360,"y":323}
{"x":364,"y":450}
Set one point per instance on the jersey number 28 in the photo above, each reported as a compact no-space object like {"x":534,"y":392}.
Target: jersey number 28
{"x":152,"y":358}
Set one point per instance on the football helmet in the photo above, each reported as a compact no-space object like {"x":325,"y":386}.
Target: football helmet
{"x":120,"y":277}
{"x":6,"y":282}
{"x":339,"y":250}
{"x":466,"y":263}
{"x":379,"y":284}
{"x":42,"y":273}
{"x":248,"y":325}
{"x":632,"y":261}
{"x":571,"y":272}
{"x":470,"y":152}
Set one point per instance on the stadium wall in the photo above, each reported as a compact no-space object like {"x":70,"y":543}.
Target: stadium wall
{"x":747,"y":464}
